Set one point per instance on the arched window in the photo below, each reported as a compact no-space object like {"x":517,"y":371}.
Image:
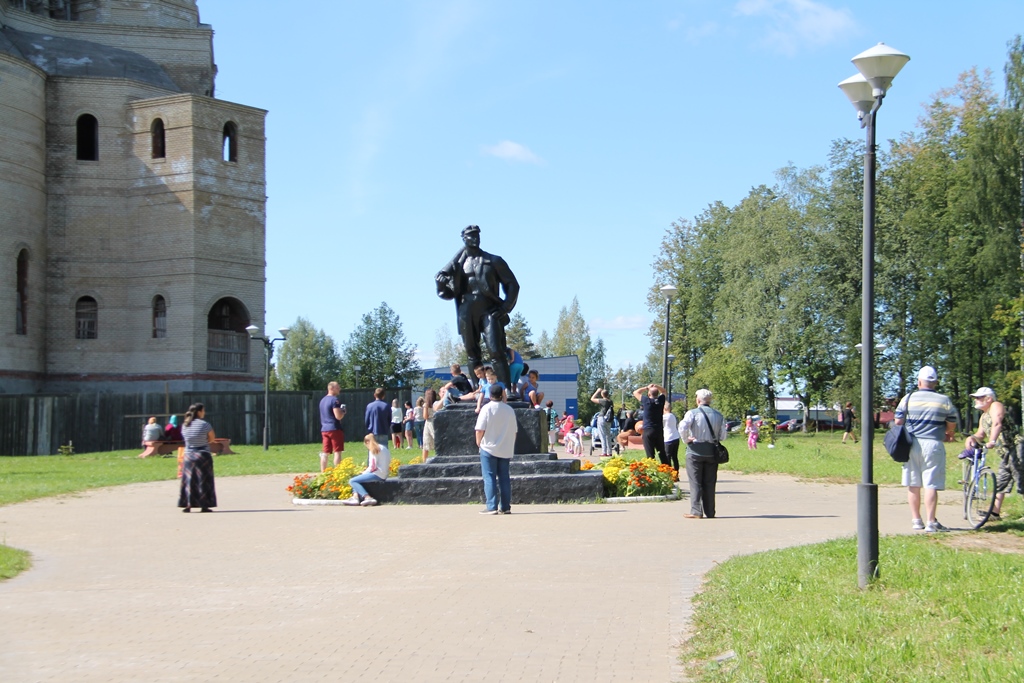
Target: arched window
{"x":21,"y":318}
{"x":157,"y":133}
{"x":86,"y":314}
{"x":230,"y":142}
{"x":227,"y":340}
{"x":159,"y":317}
{"x":87,"y":138}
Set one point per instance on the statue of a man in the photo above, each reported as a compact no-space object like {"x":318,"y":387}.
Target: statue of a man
{"x":475,"y":280}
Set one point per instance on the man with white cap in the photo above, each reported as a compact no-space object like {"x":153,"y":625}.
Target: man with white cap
{"x":931,"y":418}
{"x":997,"y":432}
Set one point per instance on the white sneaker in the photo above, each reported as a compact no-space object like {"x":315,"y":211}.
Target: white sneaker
{"x":932,"y":527}
{"x":488,"y":512}
{"x":917,"y":525}
{"x":367,"y":502}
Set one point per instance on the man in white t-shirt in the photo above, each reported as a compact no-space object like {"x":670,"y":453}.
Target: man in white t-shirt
{"x":496,"y":436}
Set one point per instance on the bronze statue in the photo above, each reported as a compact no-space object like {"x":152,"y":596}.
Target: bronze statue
{"x":473,"y":278}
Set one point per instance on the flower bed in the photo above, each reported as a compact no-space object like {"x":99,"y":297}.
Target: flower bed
{"x":332,"y":483}
{"x":626,"y":477}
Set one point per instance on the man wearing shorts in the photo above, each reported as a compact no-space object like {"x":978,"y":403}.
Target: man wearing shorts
{"x":931,"y":418}
{"x":332,"y":412}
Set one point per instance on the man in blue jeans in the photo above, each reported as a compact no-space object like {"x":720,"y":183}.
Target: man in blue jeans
{"x":496,"y":436}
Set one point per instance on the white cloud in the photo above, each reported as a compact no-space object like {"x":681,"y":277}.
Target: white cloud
{"x":792,"y":24}
{"x":621,"y":322}
{"x":512,"y":151}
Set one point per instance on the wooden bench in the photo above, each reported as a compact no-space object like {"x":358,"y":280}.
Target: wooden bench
{"x":217,"y":447}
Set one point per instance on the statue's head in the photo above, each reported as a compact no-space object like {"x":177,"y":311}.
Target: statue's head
{"x":471,"y":235}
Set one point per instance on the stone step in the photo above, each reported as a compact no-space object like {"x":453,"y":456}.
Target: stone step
{"x":472,"y":469}
{"x":438,"y":459}
{"x":526,"y":489}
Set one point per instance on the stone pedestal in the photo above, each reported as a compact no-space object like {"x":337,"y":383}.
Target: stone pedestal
{"x":453,"y":475}
{"x":455,"y":433}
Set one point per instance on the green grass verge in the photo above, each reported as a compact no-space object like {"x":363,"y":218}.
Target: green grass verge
{"x":13,"y":562}
{"x":937,"y":613}
{"x":820,"y":456}
{"x":29,"y":477}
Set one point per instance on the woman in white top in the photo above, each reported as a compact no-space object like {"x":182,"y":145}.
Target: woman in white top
{"x":377,"y":469}
{"x":671,"y":437}
{"x":396,"y":424}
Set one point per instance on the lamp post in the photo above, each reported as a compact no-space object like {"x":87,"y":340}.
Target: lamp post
{"x":357,"y":368}
{"x":671,"y":359}
{"x":268,"y":347}
{"x":877,"y":68}
{"x":668,"y":291}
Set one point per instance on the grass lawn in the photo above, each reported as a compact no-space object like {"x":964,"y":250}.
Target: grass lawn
{"x":818,"y":456}
{"x":28,"y":477}
{"x":13,"y":562}
{"x":941,"y":611}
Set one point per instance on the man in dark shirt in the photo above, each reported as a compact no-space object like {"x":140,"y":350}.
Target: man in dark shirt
{"x":652,"y":406}
{"x":460,"y":381}
{"x":378,"y":418}
{"x":332,"y":412}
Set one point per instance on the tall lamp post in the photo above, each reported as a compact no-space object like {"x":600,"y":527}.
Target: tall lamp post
{"x":671,"y":360}
{"x":268,"y":346}
{"x":668,"y":291}
{"x":878,"y":66}
{"x":357,"y":368}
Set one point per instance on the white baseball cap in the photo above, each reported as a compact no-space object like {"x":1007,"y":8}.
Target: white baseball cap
{"x":983,"y":392}
{"x":927,"y":374}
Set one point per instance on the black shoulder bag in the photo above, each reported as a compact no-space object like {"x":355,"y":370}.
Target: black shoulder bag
{"x":721,"y":455}
{"x":898,"y":439}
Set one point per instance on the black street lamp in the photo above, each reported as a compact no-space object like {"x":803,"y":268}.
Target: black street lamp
{"x":866,"y":90}
{"x":668,"y":291}
{"x":357,"y":368}
{"x":668,"y":387}
{"x":268,"y":346}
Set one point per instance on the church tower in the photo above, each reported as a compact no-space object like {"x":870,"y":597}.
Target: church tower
{"x":133,"y":203}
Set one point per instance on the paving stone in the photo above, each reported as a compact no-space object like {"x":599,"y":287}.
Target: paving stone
{"x":126,"y":588}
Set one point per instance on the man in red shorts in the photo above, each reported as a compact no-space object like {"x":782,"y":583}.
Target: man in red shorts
{"x":332,"y":412}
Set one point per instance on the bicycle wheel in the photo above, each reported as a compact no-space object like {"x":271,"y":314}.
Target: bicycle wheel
{"x":966,"y":480}
{"x":982,"y":497}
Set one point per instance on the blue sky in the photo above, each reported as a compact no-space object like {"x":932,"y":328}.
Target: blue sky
{"x":572,"y":132}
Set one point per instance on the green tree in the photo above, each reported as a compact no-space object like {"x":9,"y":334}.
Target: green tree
{"x":518,"y":336}
{"x":308,"y":359}
{"x":446,"y":349}
{"x":544,"y":345}
{"x":732,"y":379}
{"x":378,"y":345}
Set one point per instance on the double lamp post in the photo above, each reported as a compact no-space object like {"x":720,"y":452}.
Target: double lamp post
{"x":877,"y":68}
{"x":268,"y":345}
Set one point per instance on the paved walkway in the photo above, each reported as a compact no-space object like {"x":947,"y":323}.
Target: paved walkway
{"x":126,"y":588}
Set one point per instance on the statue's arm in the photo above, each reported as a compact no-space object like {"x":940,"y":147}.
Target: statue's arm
{"x":448,"y":279}
{"x":508,"y":282}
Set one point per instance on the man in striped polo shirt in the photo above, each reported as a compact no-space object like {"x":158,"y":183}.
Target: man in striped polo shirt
{"x":931,"y":418}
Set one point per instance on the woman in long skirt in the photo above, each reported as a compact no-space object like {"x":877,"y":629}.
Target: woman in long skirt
{"x":197,"y":487}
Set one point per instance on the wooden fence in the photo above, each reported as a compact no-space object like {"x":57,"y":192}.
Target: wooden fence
{"x":35,"y":424}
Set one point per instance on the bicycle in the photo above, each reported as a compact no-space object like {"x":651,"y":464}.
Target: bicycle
{"x":979,"y":487}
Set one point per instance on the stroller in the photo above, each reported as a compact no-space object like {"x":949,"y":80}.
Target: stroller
{"x":595,"y":436}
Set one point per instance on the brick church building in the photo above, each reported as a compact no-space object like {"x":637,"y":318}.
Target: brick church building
{"x":132,"y":203}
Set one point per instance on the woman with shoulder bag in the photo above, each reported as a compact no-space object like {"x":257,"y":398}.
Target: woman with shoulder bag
{"x":703,"y":429}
